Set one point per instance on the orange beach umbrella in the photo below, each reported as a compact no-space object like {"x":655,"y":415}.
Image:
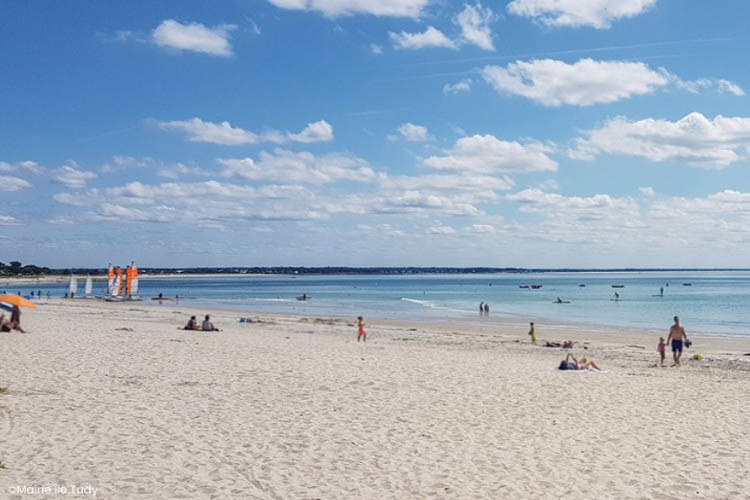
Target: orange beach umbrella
{"x":16,"y":300}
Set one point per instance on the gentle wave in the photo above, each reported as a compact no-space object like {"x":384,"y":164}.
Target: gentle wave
{"x":423,"y":303}
{"x":274,"y":300}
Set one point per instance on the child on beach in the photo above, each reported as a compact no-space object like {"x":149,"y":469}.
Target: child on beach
{"x":661,"y":348}
{"x":361,"y":333}
{"x":532,"y":332}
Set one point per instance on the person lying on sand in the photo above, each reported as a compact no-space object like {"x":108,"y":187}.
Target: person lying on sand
{"x":192,"y":324}
{"x":577,"y":364}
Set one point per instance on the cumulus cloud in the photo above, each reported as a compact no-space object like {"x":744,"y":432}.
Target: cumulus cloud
{"x":477,"y":184}
{"x":647,"y":191}
{"x":287,"y":166}
{"x":431,"y":37}
{"x":595,"y":13}
{"x":10,"y":184}
{"x":489,"y":155}
{"x":319,"y":131}
{"x":584,"y":83}
{"x":457,"y":88}
{"x":695,"y":139}
{"x":28,"y":166}
{"x":413,"y":133}
{"x":474,"y":22}
{"x":376,"y":49}
{"x":224,"y":133}
{"x":441,"y":230}
{"x":333,"y":8}
{"x":194,"y":37}
{"x":7,"y":220}
{"x":720,"y":85}
{"x":71,"y":176}
{"x":190,"y":203}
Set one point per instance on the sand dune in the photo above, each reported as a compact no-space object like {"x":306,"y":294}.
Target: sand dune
{"x":114,"y":397}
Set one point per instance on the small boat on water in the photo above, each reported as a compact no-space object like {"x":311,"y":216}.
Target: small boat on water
{"x":523,"y":286}
{"x":304,"y":296}
{"x":618,"y":286}
{"x":687,"y":284}
{"x":582,"y":285}
{"x":536,"y":287}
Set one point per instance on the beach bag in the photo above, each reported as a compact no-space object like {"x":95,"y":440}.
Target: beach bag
{"x":688,"y":343}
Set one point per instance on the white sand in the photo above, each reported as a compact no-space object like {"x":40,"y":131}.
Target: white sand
{"x":295,"y":408}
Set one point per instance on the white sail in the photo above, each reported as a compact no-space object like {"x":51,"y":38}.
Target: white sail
{"x":110,"y":279}
{"x":73,"y":285}
{"x":89,"y":286}
{"x":134,"y":281}
{"x":116,"y":286}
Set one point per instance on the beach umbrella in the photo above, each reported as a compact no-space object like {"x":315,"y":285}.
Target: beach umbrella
{"x":16,"y":300}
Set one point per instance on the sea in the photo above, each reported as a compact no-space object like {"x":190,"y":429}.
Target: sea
{"x":709,"y":302}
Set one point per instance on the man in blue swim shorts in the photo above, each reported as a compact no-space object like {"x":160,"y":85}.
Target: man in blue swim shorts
{"x":677,"y":337}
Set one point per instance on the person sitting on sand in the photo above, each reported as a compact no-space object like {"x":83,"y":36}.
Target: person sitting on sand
{"x":192,"y":324}
{"x":208,"y":326}
{"x":577,"y":364}
{"x":9,"y":325}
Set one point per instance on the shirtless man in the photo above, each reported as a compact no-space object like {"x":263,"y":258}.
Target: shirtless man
{"x":677,"y":337}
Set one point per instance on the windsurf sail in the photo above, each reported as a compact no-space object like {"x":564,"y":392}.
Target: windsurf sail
{"x":110,"y":280}
{"x":134,"y":278}
{"x":73,"y":285}
{"x":117,"y":286}
{"x":89,"y":286}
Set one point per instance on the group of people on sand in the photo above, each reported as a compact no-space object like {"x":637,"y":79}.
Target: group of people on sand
{"x":14,"y":323}
{"x":677,"y":340}
{"x":484,"y":309}
{"x":206,"y":326}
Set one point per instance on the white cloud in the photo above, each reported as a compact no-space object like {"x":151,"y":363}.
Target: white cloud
{"x":549,"y":185}
{"x":178,"y":170}
{"x":554,"y":83}
{"x":647,"y":191}
{"x":489,"y":155}
{"x":29,"y":166}
{"x":287,"y":166}
{"x":413,"y":133}
{"x":732,"y":88}
{"x":481,"y":229}
{"x":381,"y":8}
{"x":194,"y":37}
{"x":7,"y":220}
{"x":694,"y":139}
{"x":477,"y":184}
{"x":9,"y":184}
{"x":72,"y":177}
{"x":595,"y":13}
{"x":441,"y":230}
{"x":431,"y":37}
{"x":319,"y":131}
{"x":376,"y":49}
{"x":458,"y":87}
{"x":474,"y":22}
{"x":191,"y":203}
{"x":224,"y":133}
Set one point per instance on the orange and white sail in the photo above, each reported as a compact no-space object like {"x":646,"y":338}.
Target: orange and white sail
{"x":117,"y":288}
{"x":128,"y":277}
{"x":134,"y":278}
{"x":110,"y":280}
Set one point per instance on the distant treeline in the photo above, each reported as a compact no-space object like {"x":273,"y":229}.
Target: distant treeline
{"x":16,"y":269}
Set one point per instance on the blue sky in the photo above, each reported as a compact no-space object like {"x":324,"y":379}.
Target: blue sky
{"x":535,"y":133}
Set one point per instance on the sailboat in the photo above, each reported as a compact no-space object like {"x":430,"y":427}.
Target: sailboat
{"x":73,"y":286}
{"x":110,"y":280}
{"x":133,"y":279}
{"x":89,"y":288}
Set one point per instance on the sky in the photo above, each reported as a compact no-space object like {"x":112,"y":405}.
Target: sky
{"x":529,"y":133}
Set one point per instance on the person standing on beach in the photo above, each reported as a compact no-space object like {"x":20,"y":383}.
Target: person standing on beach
{"x":677,"y":336}
{"x":532,"y":332}
{"x":481,"y":308}
{"x":661,"y":348}
{"x":361,"y":333}
{"x":486,"y":309}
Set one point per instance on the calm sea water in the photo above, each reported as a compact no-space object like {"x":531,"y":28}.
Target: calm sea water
{"x":715,"y":302}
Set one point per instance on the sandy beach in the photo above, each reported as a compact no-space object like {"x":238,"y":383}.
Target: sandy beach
{"x":113,"y":401}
